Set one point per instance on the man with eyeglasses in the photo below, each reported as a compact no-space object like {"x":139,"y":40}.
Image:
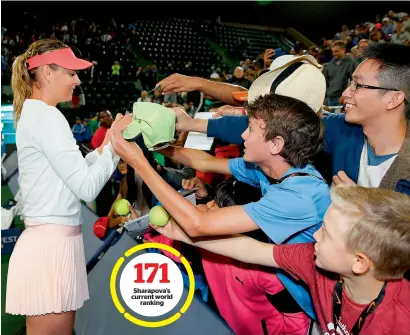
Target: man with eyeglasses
{"x":370,"y":143}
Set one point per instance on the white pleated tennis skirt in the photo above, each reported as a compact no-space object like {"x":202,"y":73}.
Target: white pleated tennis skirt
{"x":47,"y":271}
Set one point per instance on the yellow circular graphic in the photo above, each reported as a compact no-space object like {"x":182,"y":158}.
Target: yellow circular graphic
{"x":152,"y":324}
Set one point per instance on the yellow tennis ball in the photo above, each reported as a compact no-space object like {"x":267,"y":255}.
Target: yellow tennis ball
{"x":121,"y":207}
{"x":158,"y":216}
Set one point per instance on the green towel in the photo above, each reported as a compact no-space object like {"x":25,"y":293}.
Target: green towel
{"x":154,"y":121}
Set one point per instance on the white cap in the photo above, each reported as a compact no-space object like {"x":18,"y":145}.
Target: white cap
{"x":304,"y":82}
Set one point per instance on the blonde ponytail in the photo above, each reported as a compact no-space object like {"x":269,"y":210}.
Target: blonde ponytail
{"x":21,"y":82}
{"x":22,"y":79}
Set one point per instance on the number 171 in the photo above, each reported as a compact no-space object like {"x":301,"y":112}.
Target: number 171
{"x":151,"y":277}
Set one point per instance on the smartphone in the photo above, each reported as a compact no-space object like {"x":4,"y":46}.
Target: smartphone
{"x":279,"y":52}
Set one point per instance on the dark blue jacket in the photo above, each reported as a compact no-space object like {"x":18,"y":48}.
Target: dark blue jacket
{"x":343,"y":141}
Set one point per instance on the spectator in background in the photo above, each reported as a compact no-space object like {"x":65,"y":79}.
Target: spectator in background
{"x":170,"y":98}
{"x":3,"y":62}
{"x":246,"y":64}
{"x":78,"y":130}
{"x":326,"y":53}
{"x":132,"y":26}
{"x":64,"y":27}
{"x":106,"y":121}
{"x":154,"y":70}
{"x":106,"y":37}
{"x":144,"y":97}
{"x":298,"y":49}
{"x":142,"y":78}
{"x":239,"y":78}
{"x":406,"y":22}
{"x":78,"y":99}
{"x":188,"y":71}
{"x":313,"y":51}
{"x":74,"y":39}
{"x":169,"y":70}
{"x":93,"y":73}
{"x":364,"y":32}
{"x":105,"y":198}
{"x":126,"y":188}
{"x":158,"y":98}
{"x":66,"y":38}
{"x":343,"y":34}
{"x":93,"y":123}
{"x":214,"y":75}
{"x":387,"y":27}
{"x":362,"y":46}
{"x":376,"y":36}
{"x":400,"y":36}
{"x":353,"y":52}
{"x":151,"y":78}
{"x":116,"y":67}
{"x":348,"y":43}
{"x":87,"y":136}
{"x":337,"y":73}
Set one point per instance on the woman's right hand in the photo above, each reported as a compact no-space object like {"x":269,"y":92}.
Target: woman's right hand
{"x":122,"y":122}
{"x":129,"y":152}
{"x":195,"y":183}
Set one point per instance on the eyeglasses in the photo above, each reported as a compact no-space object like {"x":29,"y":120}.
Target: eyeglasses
{"x":354,"y":85}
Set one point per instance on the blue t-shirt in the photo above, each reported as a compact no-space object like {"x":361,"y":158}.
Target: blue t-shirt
{"x":375,"y":160}
{"x":78,"y":132}
{"x":289,"y":212}
{"x":87,"y":133}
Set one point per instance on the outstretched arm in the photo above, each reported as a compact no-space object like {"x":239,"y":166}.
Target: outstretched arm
{"x":239,"y":247}
{"x":193,"y":221}
{"x":220,"y":91}
{"x":197,"y":159}
{"x":228,"y":128}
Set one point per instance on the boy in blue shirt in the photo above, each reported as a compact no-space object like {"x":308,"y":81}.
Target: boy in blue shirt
{"x":87,"y":131}
{"x":78,"y":130}
{"x":282,"y":136}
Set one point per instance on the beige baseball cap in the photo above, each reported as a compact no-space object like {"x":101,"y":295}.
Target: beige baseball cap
{"x":297,"y":77}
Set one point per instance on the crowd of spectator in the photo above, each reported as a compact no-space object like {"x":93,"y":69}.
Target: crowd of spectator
{"x":109,"y":46}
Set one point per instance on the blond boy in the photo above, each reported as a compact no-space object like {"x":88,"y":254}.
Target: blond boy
{"x":354,"y":270}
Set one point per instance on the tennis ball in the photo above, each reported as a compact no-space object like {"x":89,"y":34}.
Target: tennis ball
{"x":158,"y":216}
{"x":121,"y":207}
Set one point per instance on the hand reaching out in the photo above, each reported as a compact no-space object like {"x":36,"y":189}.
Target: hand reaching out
{"x":227,"y":110}
{"x":342,"y":178}
{"x":184,"y":121}
{"x":176,"y":83}
{"x":195,"y":183}
{"x":173,"y":231}
{"x":128,"y":151}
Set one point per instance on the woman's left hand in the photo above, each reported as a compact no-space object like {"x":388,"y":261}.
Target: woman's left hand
{"x":129,"y":152}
